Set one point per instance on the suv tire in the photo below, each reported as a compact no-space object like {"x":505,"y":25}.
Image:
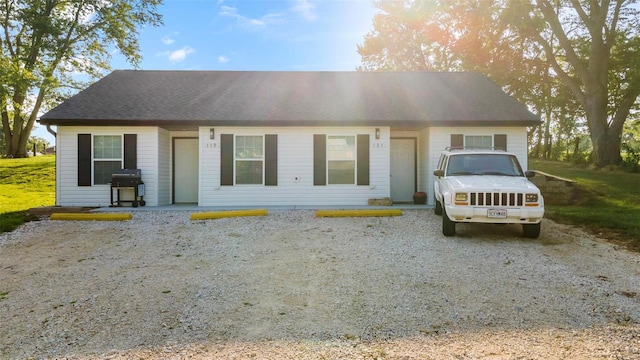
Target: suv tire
{"x":438,"y":208}
{"x":531,"y":230}
{"x":448,"y":226}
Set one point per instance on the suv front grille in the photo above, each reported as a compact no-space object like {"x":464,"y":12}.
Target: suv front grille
{"x":497,"y":199}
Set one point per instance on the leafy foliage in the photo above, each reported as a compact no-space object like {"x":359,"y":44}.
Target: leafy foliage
{"x":44,"y":43}
{"x":576,"y":63}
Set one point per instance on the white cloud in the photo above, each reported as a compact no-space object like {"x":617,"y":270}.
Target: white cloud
{"x":179,"y":55}
{"x":266,"y":20}
{"x":167,"y":40}
{"x":223,"y":59}
{"x":306,"y":9}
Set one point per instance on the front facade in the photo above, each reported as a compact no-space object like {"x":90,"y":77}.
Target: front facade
{"x":249,"y":161}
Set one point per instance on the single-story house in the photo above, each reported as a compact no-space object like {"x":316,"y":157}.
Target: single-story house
{"x":250,"y":138}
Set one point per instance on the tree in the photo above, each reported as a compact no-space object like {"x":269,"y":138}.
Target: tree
{"x":45,"y":42}
{"x":534,"y":48}
{"x":37,"y":144}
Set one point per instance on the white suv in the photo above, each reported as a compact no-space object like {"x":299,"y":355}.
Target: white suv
{"x":486,"y":186}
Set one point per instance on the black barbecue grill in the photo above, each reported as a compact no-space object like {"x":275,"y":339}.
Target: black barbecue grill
{"x":127,"y":179}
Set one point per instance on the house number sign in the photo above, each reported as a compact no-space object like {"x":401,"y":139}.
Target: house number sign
{"x":378,"y":145}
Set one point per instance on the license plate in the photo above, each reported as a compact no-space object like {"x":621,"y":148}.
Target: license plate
{"x":497,"y":213}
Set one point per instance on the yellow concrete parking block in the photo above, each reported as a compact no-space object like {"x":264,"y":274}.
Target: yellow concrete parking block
{"x":91,"y":216}
{"x":227,"y":214}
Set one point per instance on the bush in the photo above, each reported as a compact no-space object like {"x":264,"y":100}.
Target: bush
{"x":630,"y":158}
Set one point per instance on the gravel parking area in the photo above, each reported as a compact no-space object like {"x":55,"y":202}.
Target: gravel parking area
{"x":292,"y":286}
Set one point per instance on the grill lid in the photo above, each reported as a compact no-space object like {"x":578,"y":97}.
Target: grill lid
{"x":126,"y":173}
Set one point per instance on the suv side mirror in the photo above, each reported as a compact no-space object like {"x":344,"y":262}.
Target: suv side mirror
{"x":529,"y":173}
{"x":439,"y":173}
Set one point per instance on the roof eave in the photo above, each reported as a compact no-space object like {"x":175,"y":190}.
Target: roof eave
{"x":290,"y":123}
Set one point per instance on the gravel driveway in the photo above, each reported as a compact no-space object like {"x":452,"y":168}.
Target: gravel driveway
{"x":290,"y":285}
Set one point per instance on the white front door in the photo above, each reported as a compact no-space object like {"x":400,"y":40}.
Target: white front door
{"x":403,"y":169}
{"x":185,"y":170}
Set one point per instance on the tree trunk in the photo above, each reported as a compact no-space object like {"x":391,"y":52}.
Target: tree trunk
{"x":605,"y":139}
{"x":17,"y":146}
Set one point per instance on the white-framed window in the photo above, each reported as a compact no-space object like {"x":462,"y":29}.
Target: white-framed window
{"x":107,"y":157}
{"x":478,"y":141}
{"x":341,"y":159}
{"x":249,"y":159}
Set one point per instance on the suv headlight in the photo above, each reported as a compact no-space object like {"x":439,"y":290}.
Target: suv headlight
{"x":531,"y":198}
{"x":461,"y":197}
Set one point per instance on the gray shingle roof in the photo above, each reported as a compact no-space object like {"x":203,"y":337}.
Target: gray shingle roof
{"x":249,"y":98}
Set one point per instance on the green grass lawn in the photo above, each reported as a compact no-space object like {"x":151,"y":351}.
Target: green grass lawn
{"x":611,"y":199}
{"x":25,"y":183}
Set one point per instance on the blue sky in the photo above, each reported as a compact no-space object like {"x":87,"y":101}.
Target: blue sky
{"x":282,"y":35}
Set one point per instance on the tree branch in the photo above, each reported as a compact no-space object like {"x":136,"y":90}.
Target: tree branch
{"x":610,"y":33}
{"x":570,"y":81}
{"x":583,"y":15}
{"x":552,"y":19}
{"x":627,"y":102}
{"x":6,"y":28}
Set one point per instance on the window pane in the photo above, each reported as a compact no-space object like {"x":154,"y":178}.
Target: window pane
{"x":342,"y":172}
{"x":341,"y":147}
{"x":248,"y":172}
{"x":102,"y":171}
{"x":249,"y":147}
{"x":478,"y":142}
{"x":107,"y":147}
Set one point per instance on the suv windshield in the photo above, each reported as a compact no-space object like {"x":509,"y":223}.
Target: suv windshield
{"x":483,"y":164}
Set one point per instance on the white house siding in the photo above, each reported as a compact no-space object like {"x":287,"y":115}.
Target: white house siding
{"x":425,"y":164}
{"x":295,"y":170}
{"x":164,"y":167}
{"x":68,"y":193}
{"x":440,"y":137}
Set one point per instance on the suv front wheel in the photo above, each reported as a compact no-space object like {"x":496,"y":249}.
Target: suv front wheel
{"x":531,"y":230}
{"x":438,"y":208}
{"x":448,"y":226}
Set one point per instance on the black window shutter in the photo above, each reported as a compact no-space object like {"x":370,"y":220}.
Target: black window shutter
{"x":130,"y":151}
{"x":500,"y":141}
{"x":226,"y":159}
{"x":319,"y":159}
{"x":84,"y":159}
{"x":363,"y":159}
{"x":457,"y":141}
{"x":271,"y":160}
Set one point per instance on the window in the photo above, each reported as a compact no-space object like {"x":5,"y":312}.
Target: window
{"x":478,"y":141}
{"x":341,"y":163}
{"x":249,"y":159}
{"x":341,"y":159}
{"x":484,"y":164}
{"x":107,"y":157}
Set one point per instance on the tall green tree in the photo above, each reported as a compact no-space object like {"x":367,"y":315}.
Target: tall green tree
{"x":44,"y":43}
{"x":534,"y":48}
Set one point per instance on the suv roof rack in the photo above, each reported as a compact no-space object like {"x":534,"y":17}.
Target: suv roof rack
{"x":449,"y":148}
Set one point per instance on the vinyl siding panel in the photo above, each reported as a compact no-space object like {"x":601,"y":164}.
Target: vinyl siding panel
{"x":68,"y":193}
{"x":425,"y":164}
{"x":440,"y":137}
{"x":295,"y":170}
